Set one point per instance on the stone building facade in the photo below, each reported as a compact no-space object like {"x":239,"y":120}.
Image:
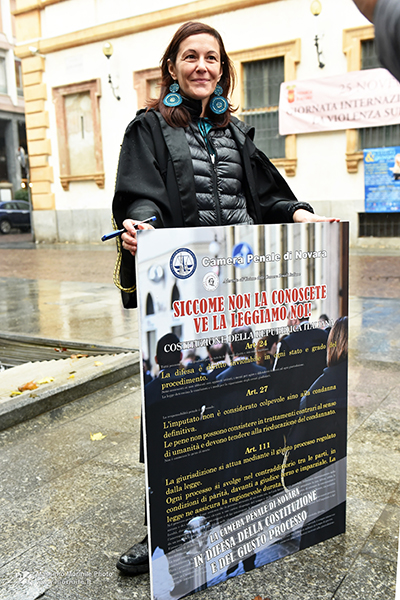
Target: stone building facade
{"x":75,"y":121}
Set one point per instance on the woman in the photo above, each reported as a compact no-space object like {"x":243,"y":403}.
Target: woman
{"x":186,"y":160}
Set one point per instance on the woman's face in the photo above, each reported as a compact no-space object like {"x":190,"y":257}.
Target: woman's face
{"x":198,"y":66}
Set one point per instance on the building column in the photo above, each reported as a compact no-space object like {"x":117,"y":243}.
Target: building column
{"x":13,"y":165}
{"x":37,"y":123}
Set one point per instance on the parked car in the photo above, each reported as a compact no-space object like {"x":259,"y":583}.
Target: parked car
{"x":14,"y":213}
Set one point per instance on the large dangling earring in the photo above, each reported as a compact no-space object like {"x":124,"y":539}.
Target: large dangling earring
{"x":219,"y":104}
{"x":173,"y":98}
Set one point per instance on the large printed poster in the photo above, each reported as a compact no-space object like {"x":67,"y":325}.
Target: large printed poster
{"x":382,"y":179}
{"x":244,"y":345}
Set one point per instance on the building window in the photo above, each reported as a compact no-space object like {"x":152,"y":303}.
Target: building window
{"x":3,"y":75}
{"x":151,"y":344}
{"x":18,"y":77}
{"x":369,"y":58}
{"x":79,"y":135}
{"x":177,"y":330}
{"x":261,"y":72}
{"x":261,"y":85}
{"x":375,"y":137}
{"x":379,"y":225}
{"x":175,"y":296}
{"x":149,"y":305}
{"x":147,"y":85}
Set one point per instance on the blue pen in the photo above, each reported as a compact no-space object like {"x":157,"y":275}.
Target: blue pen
{"x":113,"y":234}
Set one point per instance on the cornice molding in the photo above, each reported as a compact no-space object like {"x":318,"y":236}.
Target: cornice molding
{"x":161,"y":18}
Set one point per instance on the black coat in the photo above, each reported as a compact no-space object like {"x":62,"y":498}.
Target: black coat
{"x":330,"y":387}
{"x":301,"y":360}
{"x":155,"y":177}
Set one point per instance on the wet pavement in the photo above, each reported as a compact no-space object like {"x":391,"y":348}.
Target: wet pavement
{"x":71,"y":502}
{"x":64,"y":292}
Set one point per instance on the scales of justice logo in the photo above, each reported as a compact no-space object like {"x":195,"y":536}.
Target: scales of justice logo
{"x":183,"y":263}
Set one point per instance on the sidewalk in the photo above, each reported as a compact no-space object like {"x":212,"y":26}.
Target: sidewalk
{"x":71,"y":502}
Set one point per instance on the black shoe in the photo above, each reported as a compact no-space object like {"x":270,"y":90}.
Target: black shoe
{"x":136,"y":560}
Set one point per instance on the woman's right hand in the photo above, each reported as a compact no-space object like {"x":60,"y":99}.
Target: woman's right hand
{"x":128,"y":238}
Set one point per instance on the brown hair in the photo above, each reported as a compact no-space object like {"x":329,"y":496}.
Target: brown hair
{"x":338,"y":342}
{"x":178,"y":116}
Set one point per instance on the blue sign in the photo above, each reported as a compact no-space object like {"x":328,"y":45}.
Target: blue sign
{"x":242,"y":250}
{"x":382,"y":179}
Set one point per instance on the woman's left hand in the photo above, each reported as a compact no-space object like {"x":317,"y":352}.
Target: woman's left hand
{"x":304,"y":216}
